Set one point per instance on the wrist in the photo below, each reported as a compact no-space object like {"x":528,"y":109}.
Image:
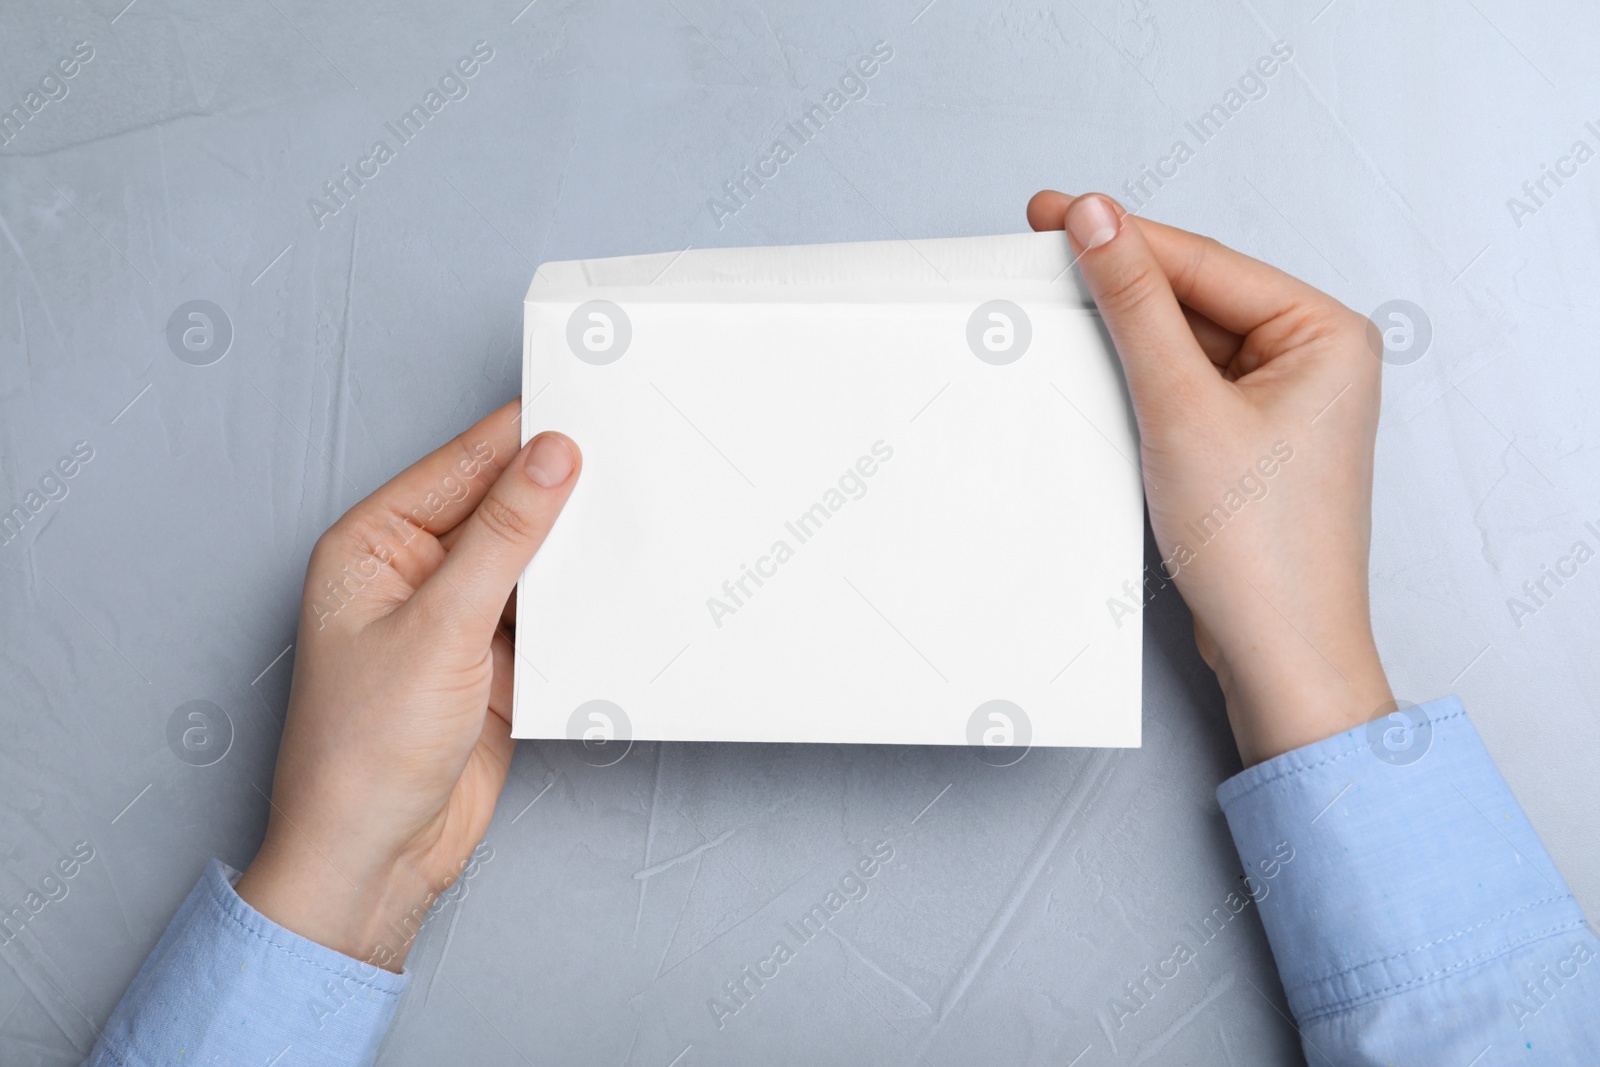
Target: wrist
{"x":1281,"y":697}
{"x":368,"y":910}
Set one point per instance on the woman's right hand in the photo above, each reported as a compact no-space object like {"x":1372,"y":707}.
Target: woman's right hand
{"x":1257,"y":403}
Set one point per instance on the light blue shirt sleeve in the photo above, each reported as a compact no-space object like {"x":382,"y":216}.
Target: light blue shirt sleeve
{"x":1414,"y":915}
{"x":226,"y":984}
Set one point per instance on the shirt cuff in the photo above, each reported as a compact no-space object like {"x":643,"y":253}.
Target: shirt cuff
{"x":226,"y":984}
{"x":1390,"y":857}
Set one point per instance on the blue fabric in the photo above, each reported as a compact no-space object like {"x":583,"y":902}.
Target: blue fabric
{"x":226,"y":984}
{"x":1414,"y":915}
{"x":1418,"y":919}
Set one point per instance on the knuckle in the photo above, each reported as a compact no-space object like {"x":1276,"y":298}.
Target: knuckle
{"x":1353,"y":326}
{"x":337,"y":544}
{"x":505,"y":521}
{"x":357,"y":536}
{"x":478,"y":458}
{"x":1348,"y":335}
{"x":1130,"y":291}
{"x":1189,"y":274}
{"x":1333,"y":318}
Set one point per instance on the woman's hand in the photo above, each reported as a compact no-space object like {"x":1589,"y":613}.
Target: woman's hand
{"x":398,"y":736}
{"x":1257,"y":403}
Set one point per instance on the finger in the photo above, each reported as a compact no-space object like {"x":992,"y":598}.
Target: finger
{"x":493,"y":752}
{"x":501,"y":535}
{"x":442,"y":488}
{"x":1048,"y":211}
{"x":1219,"y":345}
{"x":1232,"y":289}
{"x":496,"y":741}
{"x":349,"y":561}
{"x":508,"y":616}
{"x":1162,"y":359}
{"x":500,"y":685}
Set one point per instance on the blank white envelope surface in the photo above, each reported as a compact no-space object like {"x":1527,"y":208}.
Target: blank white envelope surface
{"x":868,"y":493}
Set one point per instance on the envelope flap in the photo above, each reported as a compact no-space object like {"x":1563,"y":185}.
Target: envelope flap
{"x":1036,"y":266}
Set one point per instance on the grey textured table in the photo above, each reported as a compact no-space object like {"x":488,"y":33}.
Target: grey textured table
{"x":200,"y":154}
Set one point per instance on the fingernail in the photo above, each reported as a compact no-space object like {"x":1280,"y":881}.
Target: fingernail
{"x":549,"y":461}
{"x":1092,"y":221}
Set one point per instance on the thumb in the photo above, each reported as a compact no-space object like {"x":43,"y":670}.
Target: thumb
{"x":1164,"y":363}
{"x":497,"y":540}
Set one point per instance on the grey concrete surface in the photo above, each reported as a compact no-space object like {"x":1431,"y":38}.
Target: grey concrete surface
{"x":180,"y":163}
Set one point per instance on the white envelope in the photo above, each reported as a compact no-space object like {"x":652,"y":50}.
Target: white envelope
{"x":867,"y":493}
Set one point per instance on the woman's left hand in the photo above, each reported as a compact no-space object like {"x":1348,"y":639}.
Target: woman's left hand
{"x":398,"y":736}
